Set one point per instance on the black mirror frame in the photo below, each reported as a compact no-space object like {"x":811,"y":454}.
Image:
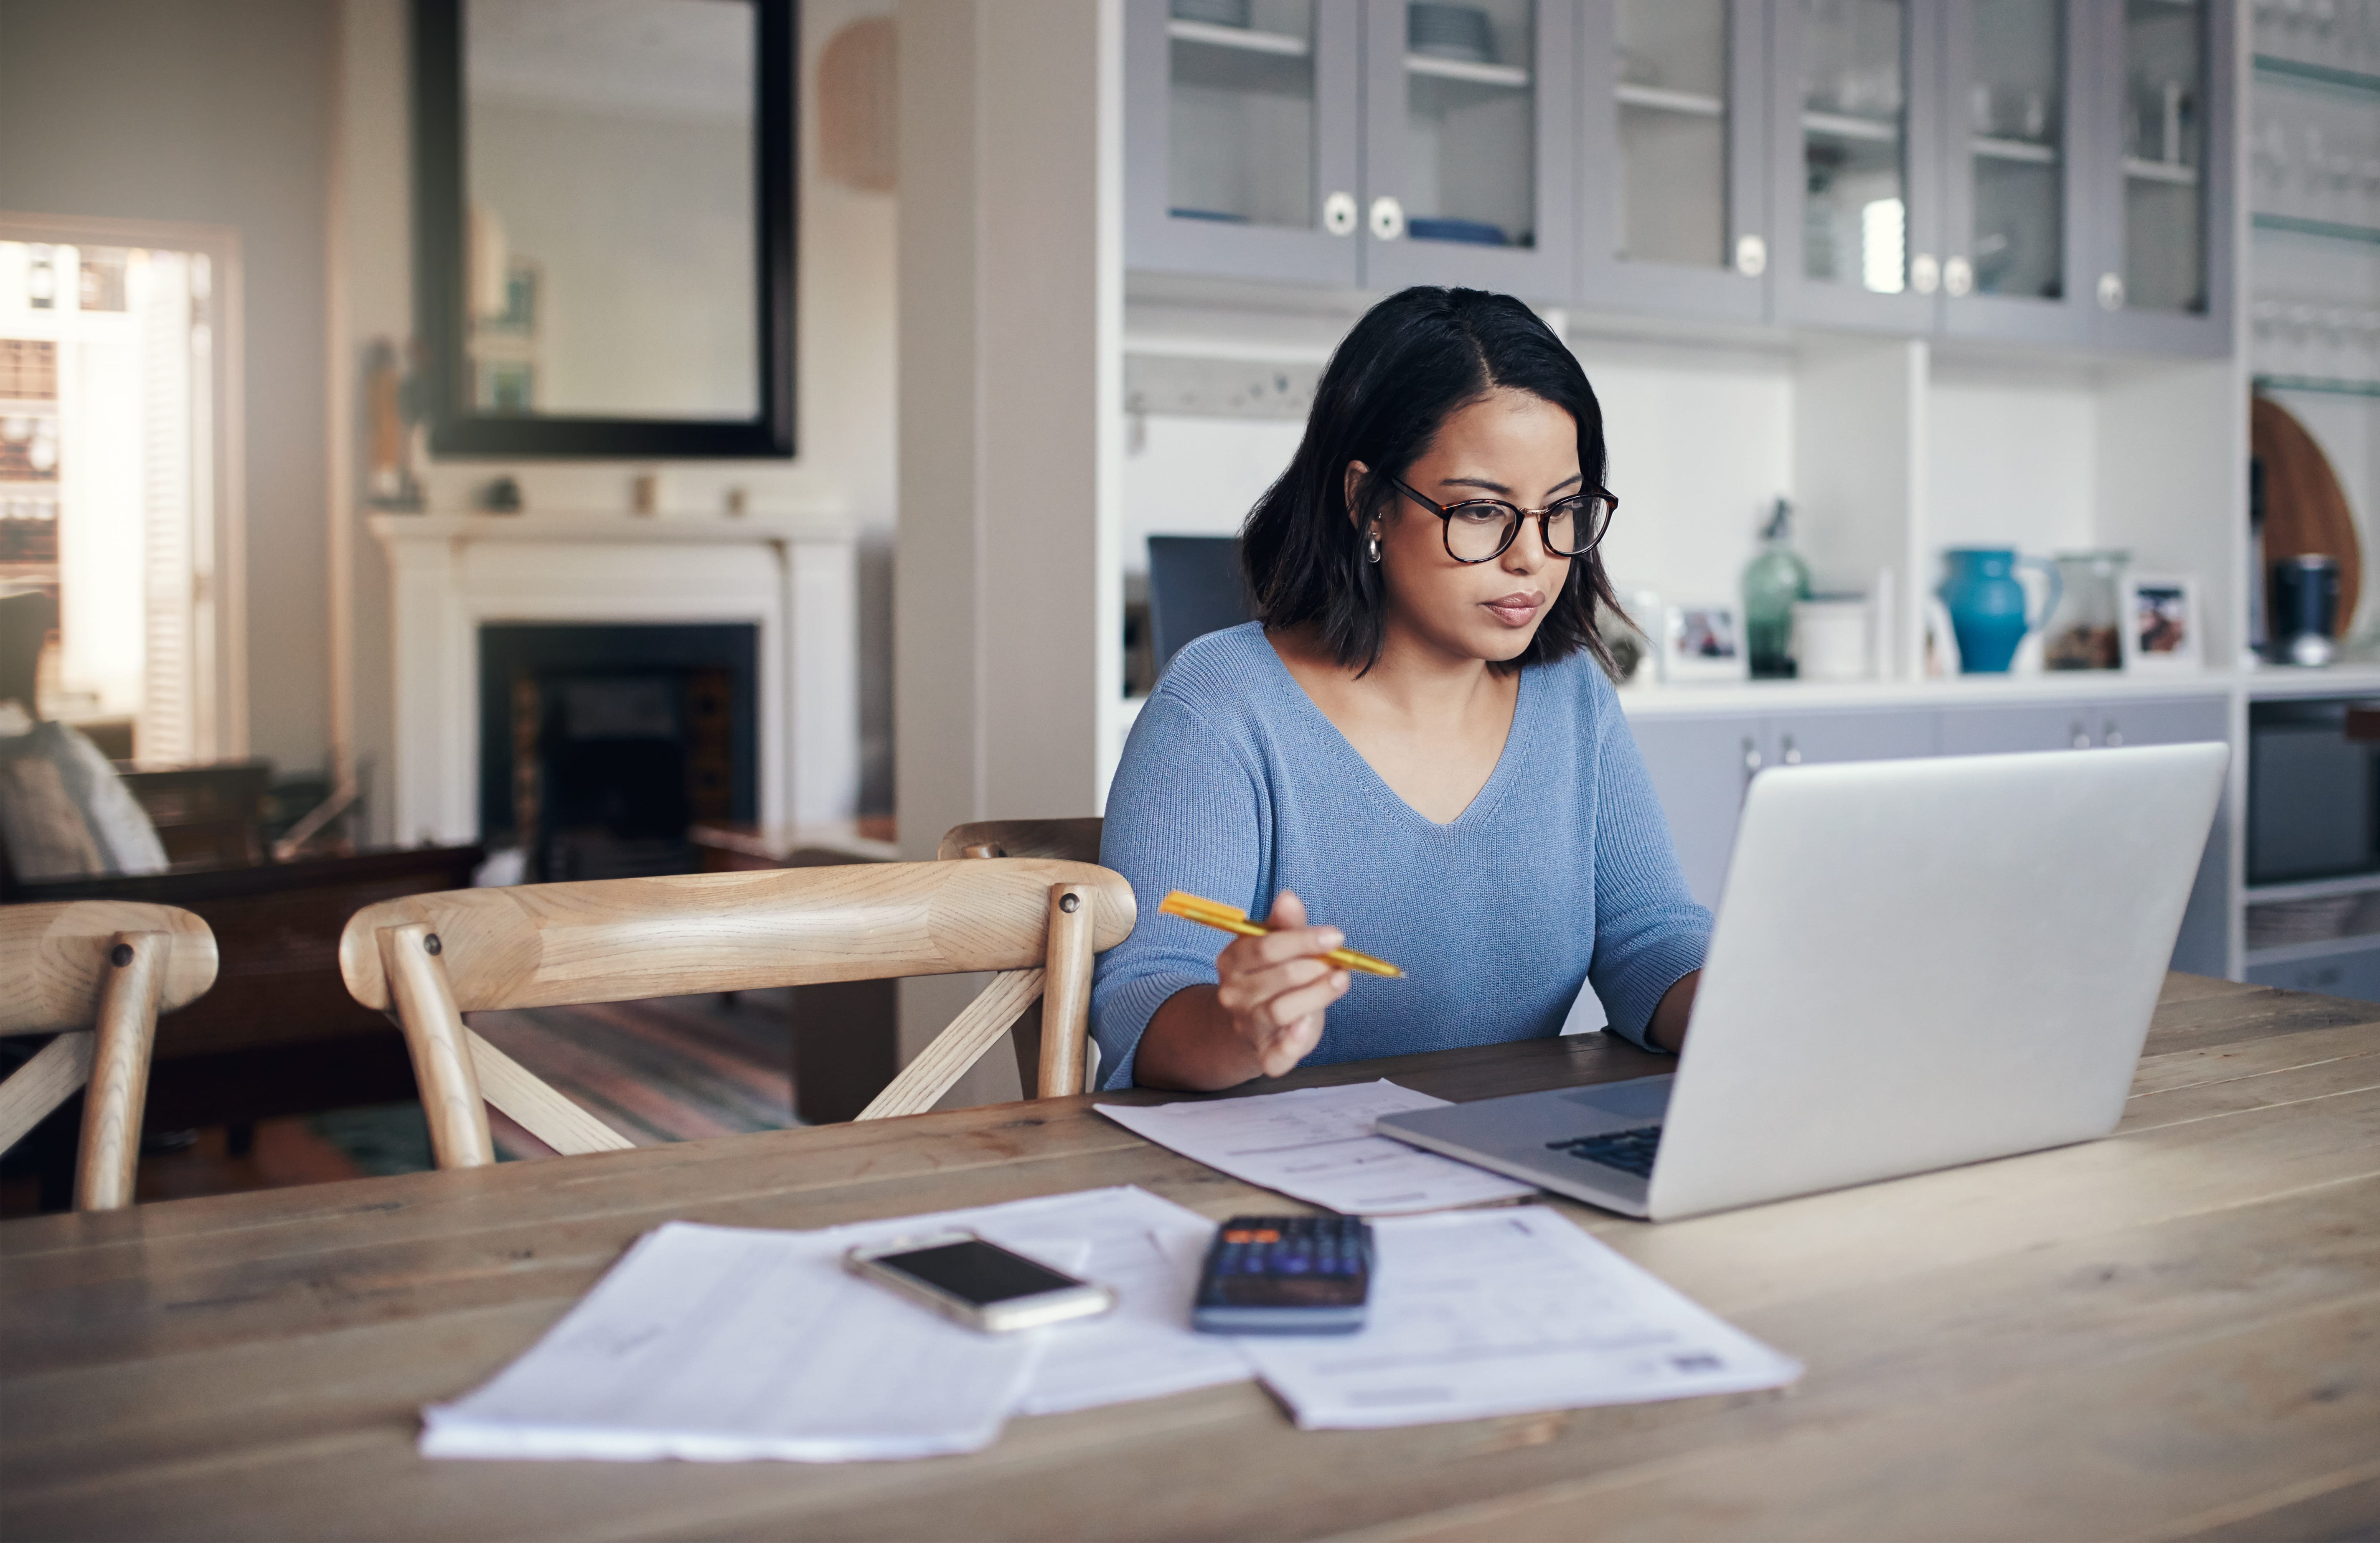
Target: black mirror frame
{"x":439,"y":234}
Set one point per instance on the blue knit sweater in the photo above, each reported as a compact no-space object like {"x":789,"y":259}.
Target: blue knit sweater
{"x":1234,"y":786}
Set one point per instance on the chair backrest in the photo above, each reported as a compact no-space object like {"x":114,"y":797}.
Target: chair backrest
{"x":96,"y":973}
{"x":1071,"y":841}
{"x":429,"y":958}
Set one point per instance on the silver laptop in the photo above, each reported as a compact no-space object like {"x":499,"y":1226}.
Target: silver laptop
{"x":1917,"y":964}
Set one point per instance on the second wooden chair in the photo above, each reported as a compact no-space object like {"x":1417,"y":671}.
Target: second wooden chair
{"x":430,"y":958}
{"x":96,"y":973}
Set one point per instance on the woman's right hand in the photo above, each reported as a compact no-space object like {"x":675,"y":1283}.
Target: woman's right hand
{"x":1274,"y":989}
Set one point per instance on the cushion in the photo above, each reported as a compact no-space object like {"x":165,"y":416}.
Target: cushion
{"x":116,"y":834}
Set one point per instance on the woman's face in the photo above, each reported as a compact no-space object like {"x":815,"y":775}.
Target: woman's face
{"x":1511,"y":445}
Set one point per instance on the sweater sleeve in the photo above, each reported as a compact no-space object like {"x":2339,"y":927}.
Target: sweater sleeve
{"x":1649,"y":932}
{"x":1184,"y":812}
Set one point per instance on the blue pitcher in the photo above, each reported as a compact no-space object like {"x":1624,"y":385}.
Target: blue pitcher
{"x":1987,"y":604}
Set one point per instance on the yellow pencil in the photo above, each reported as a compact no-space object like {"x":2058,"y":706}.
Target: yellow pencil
{"x":1231,"y":918}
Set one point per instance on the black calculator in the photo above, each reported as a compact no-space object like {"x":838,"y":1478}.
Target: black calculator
{"x":1286,"y":1275}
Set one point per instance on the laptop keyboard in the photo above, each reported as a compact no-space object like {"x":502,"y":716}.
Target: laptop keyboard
{"x":1631,"y":1151}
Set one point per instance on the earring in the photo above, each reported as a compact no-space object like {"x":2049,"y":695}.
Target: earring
{"x":1372,"y":548}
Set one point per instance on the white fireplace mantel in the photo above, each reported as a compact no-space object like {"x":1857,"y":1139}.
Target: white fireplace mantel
{"x":793,"y":575}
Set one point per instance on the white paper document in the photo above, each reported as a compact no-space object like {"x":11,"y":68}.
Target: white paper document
{"x":727,"y":1344}
{"x":1508,"y":1312}
{"x":1317,"y":1144}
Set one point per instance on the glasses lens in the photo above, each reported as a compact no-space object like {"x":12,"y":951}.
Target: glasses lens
{"x":1574,"y":525}
{"x":1475,"y":532}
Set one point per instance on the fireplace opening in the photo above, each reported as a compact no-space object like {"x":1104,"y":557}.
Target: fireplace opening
{"x":599,"y":745}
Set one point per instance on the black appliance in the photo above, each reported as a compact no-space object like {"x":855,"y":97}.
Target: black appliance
{"x":2313,"y":790}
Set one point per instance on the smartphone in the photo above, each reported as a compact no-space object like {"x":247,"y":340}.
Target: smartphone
{"x":978,"y":1282}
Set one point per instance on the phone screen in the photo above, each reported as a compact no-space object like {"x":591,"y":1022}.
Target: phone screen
{"x":976,"y":1271}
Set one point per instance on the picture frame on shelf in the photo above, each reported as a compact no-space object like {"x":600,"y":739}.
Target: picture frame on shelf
{"x":1703,"y":640}
{"x":2164,"y":624}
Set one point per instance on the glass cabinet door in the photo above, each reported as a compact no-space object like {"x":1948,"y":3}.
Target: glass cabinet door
{"x":2010,"y":202}
{"x":1671,"y":175}
{"x":2165,"y":274}
{"x":1465,"y":180}
{"x":1856,"y":140}
{"x":1242,"y":138}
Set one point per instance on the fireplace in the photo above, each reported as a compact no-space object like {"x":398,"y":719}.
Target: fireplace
{"x":599,"y":745}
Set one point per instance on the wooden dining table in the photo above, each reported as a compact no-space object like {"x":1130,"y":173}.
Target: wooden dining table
{"x":2171,"y":1333}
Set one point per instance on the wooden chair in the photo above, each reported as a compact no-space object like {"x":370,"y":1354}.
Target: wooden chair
{"x":96,"y":973}
{"x":1072,"y":841}
{"x":430,"y":958}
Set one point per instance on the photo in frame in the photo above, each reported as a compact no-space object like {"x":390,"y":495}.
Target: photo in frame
{"x":2164,"y":624}
{"x":1703,"y":640}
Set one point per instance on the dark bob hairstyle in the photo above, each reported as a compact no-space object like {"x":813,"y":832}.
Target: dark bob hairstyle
{"x":1410,"y":361}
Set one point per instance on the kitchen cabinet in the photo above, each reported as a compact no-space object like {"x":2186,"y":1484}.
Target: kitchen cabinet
{"x":1241,"y":144}
{"x":1320,"y":142}
{"x":2348,"y":972}
{"x":1673,"y":180}
{"x":1856,"y":163}
{"x":1470,"y":133}
{"x":2163,"y":243}
{"x":2018,"y":95}
{"x":1702,"y":767}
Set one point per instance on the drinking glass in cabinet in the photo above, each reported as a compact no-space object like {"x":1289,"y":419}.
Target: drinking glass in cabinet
{"x":1471,"y":116}
{"x":2164,"y":136}
{"x":1854,"y":101}
{"x":1241,"y":129}
{"x":2016,"y":149}
{"x":1673,"y":123}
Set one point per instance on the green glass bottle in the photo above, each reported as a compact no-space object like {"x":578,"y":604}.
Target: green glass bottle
{"x":1772,"y":582}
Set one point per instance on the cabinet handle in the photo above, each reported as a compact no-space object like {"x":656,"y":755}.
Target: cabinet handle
{"x":2111,"y":291}
{"x":1792,"y":752}
{"x":2082,"y":735}
{"x":1958,"y":277}
{"x":1751,"y":761}
{"x":1925,"y":273}
{"x":1339,"y":213}
{"x":1388,"y":218}
{"x":1750,"y":256}
{"x":2114,"y":736}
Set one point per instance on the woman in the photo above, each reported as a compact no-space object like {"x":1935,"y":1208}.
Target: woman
{"x":1415,"y":738}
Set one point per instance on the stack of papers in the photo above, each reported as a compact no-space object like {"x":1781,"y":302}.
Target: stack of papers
{"x":1317,"y":1144}
{"x":1508,"y":1312}
{"x":723,"y":1343}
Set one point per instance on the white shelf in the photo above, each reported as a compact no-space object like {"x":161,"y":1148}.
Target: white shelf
{"x":2312,"y":889}
{"x":1512,"y":76}
{"x":2293,"y":953}
{"x":1660,"y":100}
{"x":1794,"y":695}
{"x":2173,"y":173}
{"x":1842,"y":125}
{"x":1279,"y":44}
{"x":2030,"y":153}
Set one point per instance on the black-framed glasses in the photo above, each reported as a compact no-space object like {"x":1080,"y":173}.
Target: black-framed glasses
{"x":1478,"y":529}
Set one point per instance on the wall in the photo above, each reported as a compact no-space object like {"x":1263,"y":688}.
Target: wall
{"x":844,"y":389}
{"x":221,"y":115}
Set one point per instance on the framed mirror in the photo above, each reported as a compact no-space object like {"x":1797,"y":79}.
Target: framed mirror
{"x":604,"y":225}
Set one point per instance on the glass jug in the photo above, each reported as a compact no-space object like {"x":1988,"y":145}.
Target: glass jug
{"x":2086,"y":630}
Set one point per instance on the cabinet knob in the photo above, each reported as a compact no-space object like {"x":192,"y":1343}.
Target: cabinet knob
{"x":2111,"y":291}
{"x":1388,"y":218}
{"x":2113,"y":738}
{"x":1925,"y":273}
{"x":2082,"y":735}
{"x":1751,"y":756}
{"x":1792,"y":752}
{"x":1750,"y":256}
{"x":1339,"y":213}
{"x":1958,"y":277}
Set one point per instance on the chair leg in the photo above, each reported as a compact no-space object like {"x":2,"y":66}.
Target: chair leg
{"x":441,"y":1059}
{"x":1066,"y":987}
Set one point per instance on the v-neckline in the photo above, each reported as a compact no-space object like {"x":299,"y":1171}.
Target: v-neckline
{"x":1491,"y":792}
